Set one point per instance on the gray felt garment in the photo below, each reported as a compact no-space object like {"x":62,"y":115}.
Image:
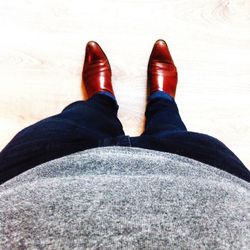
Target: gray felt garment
{"x":124,"y":198}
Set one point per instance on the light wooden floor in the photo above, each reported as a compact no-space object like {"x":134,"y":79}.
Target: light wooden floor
{"x":42,"y":47}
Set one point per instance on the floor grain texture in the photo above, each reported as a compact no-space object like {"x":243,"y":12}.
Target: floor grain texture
{"x":42,"y":48}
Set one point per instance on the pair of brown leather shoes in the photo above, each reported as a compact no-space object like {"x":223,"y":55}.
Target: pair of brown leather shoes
{"x":162,"y":73}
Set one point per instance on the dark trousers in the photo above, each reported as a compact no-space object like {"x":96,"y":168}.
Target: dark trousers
{"x":94,"y":123}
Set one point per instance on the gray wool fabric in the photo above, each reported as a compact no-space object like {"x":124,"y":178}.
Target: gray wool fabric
{"x":124,"y":198}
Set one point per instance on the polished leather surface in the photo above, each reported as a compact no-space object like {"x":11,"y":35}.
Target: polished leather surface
{"x":162,"y":73}
{"x":96,"y":74}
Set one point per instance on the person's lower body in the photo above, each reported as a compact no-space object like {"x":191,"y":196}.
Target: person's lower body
{"x":94,"y":123}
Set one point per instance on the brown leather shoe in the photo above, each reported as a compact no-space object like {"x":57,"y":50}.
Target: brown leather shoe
{"x":162,"y":73}
{"x":96,"y":74}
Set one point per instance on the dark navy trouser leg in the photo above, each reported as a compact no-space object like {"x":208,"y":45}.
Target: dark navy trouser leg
{"x":162,"y":115}
{"x":81,"y":125}
{"x":165,"y":131}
